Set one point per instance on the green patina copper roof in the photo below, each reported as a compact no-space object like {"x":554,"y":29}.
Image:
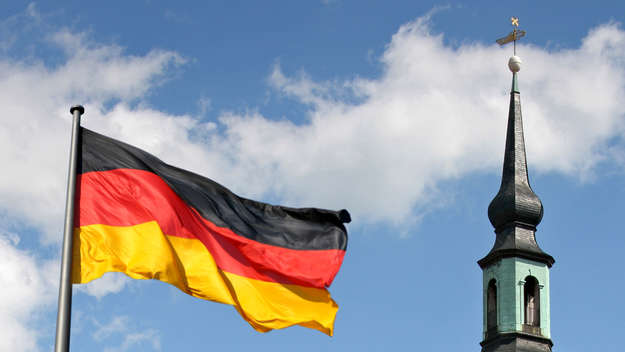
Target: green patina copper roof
{"x":515,"y":85}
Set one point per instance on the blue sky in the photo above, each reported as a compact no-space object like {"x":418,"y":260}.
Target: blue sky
{"x":393,"y":110}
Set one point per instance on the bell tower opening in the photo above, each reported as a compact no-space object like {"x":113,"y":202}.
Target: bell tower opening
{"x":531,"y":297}
{"x":491,"y":306}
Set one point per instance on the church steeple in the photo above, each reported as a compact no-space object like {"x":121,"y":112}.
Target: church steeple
{"x":516,"y":201}
{"x":516,"y":210}
{"x":516,"y":270}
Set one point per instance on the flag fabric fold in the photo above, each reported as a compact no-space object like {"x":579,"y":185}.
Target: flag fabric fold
{"x":140,"y":216}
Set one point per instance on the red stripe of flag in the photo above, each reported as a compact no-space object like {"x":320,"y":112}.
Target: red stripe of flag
{"x":127,"y":197}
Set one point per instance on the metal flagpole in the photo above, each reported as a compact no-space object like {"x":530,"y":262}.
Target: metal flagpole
{"x":63,"y":317}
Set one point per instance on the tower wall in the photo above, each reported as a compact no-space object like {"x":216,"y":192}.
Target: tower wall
{"x":510,"y":274}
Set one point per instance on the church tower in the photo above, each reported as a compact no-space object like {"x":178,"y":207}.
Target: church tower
{"x":516,"y":270}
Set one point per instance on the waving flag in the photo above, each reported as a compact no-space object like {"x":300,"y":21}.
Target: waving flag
{"x":150,"y":220}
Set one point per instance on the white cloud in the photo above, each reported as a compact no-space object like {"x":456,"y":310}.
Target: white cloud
{"x":109,"y":283}
{"x":145,"y":338}
{"x":379,"y":147}
{"x":204,"y":106}
{"x":28,"y":286}
{"x":34,"y":121}
{"x":120,"y":325}
{"x":436,"y":113}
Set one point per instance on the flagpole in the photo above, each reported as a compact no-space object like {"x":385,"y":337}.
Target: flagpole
{"x":63,"y":317}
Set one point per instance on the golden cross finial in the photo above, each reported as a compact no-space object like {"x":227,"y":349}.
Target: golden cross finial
{"x":513,"y":36}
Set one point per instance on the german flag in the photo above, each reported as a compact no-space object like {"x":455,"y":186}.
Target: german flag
{"x":150,"y":220}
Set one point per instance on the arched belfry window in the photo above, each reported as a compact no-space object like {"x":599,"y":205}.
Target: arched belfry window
{"x":491,"y":305}
{"x":531,"y":291}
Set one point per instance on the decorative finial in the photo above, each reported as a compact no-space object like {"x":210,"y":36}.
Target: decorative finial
{"x":513,"y":36}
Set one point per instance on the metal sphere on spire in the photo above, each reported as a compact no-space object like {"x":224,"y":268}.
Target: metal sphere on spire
{"x":515,"y":64}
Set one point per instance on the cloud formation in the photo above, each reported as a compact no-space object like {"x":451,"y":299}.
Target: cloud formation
{"x":132,"y":339}
{"x":28,"y":288}
{"x":436,"y":113}
{"x":379,"y":147}
{"x":34,"y":122}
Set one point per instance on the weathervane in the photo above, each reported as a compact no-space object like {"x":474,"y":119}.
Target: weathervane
{"x":515,"y":35}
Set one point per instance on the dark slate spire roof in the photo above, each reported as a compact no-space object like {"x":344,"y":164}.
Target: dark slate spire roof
{"x":516,"y":201}
{"x":516,"y":210}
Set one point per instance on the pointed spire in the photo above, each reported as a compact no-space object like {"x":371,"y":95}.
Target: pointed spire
{"x":516,"y":210}
{"x":516,"y":202}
